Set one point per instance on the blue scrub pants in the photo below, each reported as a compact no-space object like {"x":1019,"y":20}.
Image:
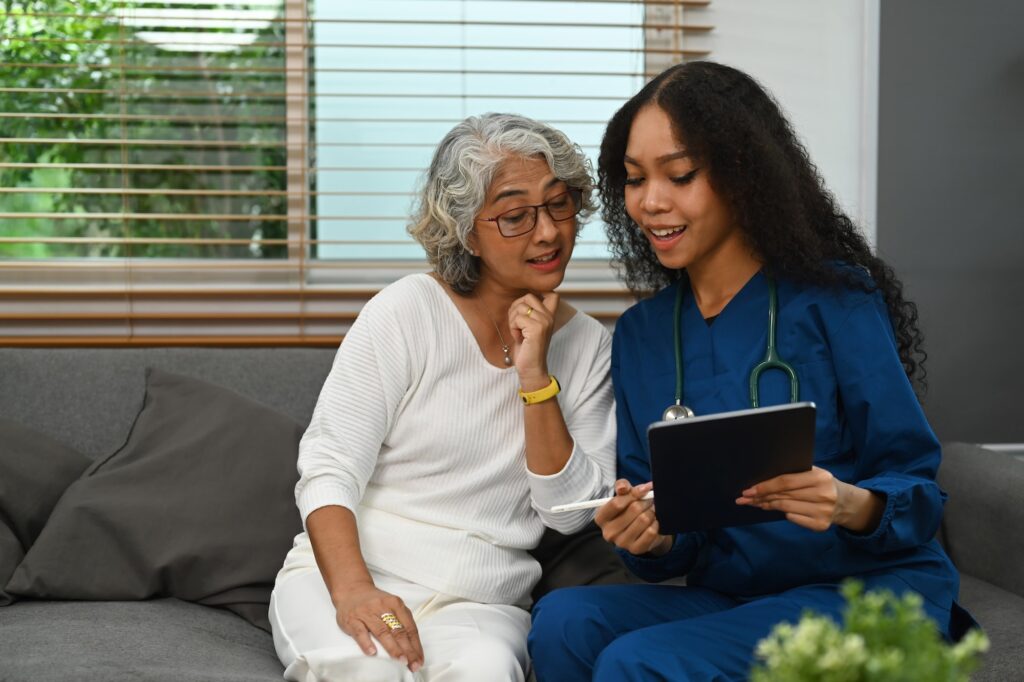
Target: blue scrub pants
{"x":618,"y":633}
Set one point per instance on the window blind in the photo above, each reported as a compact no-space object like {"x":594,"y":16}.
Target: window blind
{"x":240,"y":172}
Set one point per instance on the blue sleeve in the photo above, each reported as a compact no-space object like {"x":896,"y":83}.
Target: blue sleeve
{"x":634,"y":466}
{"x":897,"y":453}
{"x":632,"y":462}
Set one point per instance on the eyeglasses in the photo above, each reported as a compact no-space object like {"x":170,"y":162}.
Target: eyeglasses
{"x":519,"y":221}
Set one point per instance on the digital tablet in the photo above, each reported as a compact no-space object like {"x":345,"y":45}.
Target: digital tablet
{"x":700,"y":465}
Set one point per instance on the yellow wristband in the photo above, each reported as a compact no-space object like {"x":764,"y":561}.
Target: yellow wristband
{"x":540,"y":395}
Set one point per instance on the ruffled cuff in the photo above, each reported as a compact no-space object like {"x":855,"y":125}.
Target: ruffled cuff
{"x":876,"y":540}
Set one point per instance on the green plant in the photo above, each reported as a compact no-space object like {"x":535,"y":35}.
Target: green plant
{"x":884,"y":639}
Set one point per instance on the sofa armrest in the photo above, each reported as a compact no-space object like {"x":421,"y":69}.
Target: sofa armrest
{"x":983,"y":525}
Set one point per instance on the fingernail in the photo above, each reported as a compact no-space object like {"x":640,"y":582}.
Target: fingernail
{"x":415,"y":667}
{"x":403,"y":660}
{"x":750,"y":492}
{"x":371,"y":651}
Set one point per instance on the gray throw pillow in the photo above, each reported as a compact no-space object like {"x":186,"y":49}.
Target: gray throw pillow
{"x":34,"y":472}
{"x":11,"y":553}
{"x":198,"y":504}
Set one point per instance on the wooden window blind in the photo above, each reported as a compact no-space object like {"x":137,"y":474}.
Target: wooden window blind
{"x":240,"y":172}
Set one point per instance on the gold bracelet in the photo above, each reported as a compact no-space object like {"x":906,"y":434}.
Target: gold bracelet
{"x":542,"y":394}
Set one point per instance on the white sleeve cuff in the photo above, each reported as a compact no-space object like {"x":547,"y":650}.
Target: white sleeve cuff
{"x":579,"y":479}
{"x":324,"y":491}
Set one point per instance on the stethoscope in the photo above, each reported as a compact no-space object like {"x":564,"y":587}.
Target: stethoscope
{"x":771,"y":359}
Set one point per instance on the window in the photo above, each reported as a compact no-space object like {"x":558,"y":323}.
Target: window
{"x":183,"y":171}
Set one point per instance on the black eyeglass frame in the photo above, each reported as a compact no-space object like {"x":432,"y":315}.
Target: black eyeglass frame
{"x":575,"y":194}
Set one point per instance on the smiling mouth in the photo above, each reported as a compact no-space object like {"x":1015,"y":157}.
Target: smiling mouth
{"x":666,"y":232}
{"x":546,"y":258}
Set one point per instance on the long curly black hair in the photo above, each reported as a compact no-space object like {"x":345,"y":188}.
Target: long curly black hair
{"x":737,"y":133}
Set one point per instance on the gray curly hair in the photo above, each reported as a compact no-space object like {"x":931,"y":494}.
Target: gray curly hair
{"x":456,"y":184}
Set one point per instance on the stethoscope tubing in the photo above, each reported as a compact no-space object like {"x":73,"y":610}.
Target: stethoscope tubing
{"x":771,"y":357}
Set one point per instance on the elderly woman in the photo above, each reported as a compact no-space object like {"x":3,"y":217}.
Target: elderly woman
{"x":442,"y":436}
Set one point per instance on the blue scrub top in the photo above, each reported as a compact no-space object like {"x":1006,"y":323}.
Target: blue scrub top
{"x":870,"y":431}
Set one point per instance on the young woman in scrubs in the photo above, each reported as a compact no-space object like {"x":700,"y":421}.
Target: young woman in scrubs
{"x":707,"y":189}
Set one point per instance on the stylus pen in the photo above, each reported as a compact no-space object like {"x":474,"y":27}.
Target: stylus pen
{"x":591,"y":504}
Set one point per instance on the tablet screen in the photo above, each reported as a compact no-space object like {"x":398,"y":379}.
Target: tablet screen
{"x":701,"y":465}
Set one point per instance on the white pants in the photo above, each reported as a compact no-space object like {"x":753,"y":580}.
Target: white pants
{"x":462,"y":641}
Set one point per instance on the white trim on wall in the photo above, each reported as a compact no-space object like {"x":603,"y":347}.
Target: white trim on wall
{"x":870,"y":60}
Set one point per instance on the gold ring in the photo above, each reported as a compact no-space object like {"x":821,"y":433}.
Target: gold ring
{"x":529,"y":311}
{"x":392,"y":622}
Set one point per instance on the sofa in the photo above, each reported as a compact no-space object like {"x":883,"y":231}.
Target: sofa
{"x":147,"y":549}
{"x":151,"y":503}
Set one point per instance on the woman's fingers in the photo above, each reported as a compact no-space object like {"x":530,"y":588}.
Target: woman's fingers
{"x":358,"y":632}
{"x":391,"y":624}
{"x":788,"y":482}
{"x":639,"y":535}
{"x":626,"y":520}
{"x":642,"y":534}
{"x":550,"y":302}
{"x":531,"y":313}
{"x":810,"y":522}
{"x":386,"y":638}
{"x":796,"y":507}
{"x":625,"y":495}
{"x":409,"y":637}
{"x":815,"y":494}
{"x":815,"y":511}
{"x":532,"y":325}
{"x":617,"y":531}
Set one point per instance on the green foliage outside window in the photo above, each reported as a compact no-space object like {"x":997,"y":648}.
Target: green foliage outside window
{"x":884,"y":639}
{"x":152,"y":93}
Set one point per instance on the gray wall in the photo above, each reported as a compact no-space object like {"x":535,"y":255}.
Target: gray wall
{"x":951,"y":201}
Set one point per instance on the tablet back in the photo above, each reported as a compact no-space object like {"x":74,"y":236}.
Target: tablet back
{"x":701,"y":465}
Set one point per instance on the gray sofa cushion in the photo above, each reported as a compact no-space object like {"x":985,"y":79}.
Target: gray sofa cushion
{"x":1002,"y":614}
{"x":163,"y":640}
{"x":11,"y":554}
{"x":198,"y":505}
{"x":984,"y":514}
{"x":34,"y":472}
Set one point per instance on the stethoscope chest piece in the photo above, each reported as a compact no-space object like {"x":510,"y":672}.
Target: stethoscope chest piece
{"x":674,"y":412}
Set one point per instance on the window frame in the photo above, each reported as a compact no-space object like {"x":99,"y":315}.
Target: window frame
{"x":107,"y":301}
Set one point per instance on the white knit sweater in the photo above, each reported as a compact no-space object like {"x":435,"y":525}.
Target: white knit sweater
{"x":423,"y":440}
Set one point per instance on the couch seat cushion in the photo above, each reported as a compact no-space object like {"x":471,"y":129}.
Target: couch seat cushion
{"x":1001,"y":614}
{"x":149,"y":641}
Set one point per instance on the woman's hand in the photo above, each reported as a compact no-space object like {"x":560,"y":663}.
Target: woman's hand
{"x":532,"y":321}
{"x":359,"y":615}
{"x":628,"y":522}
{"x":815,"y":499}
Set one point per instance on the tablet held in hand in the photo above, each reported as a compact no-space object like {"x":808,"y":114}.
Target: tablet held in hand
{"x":701,"y":465}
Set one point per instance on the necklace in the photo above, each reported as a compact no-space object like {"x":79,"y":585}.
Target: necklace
{"x":504,"y":346}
